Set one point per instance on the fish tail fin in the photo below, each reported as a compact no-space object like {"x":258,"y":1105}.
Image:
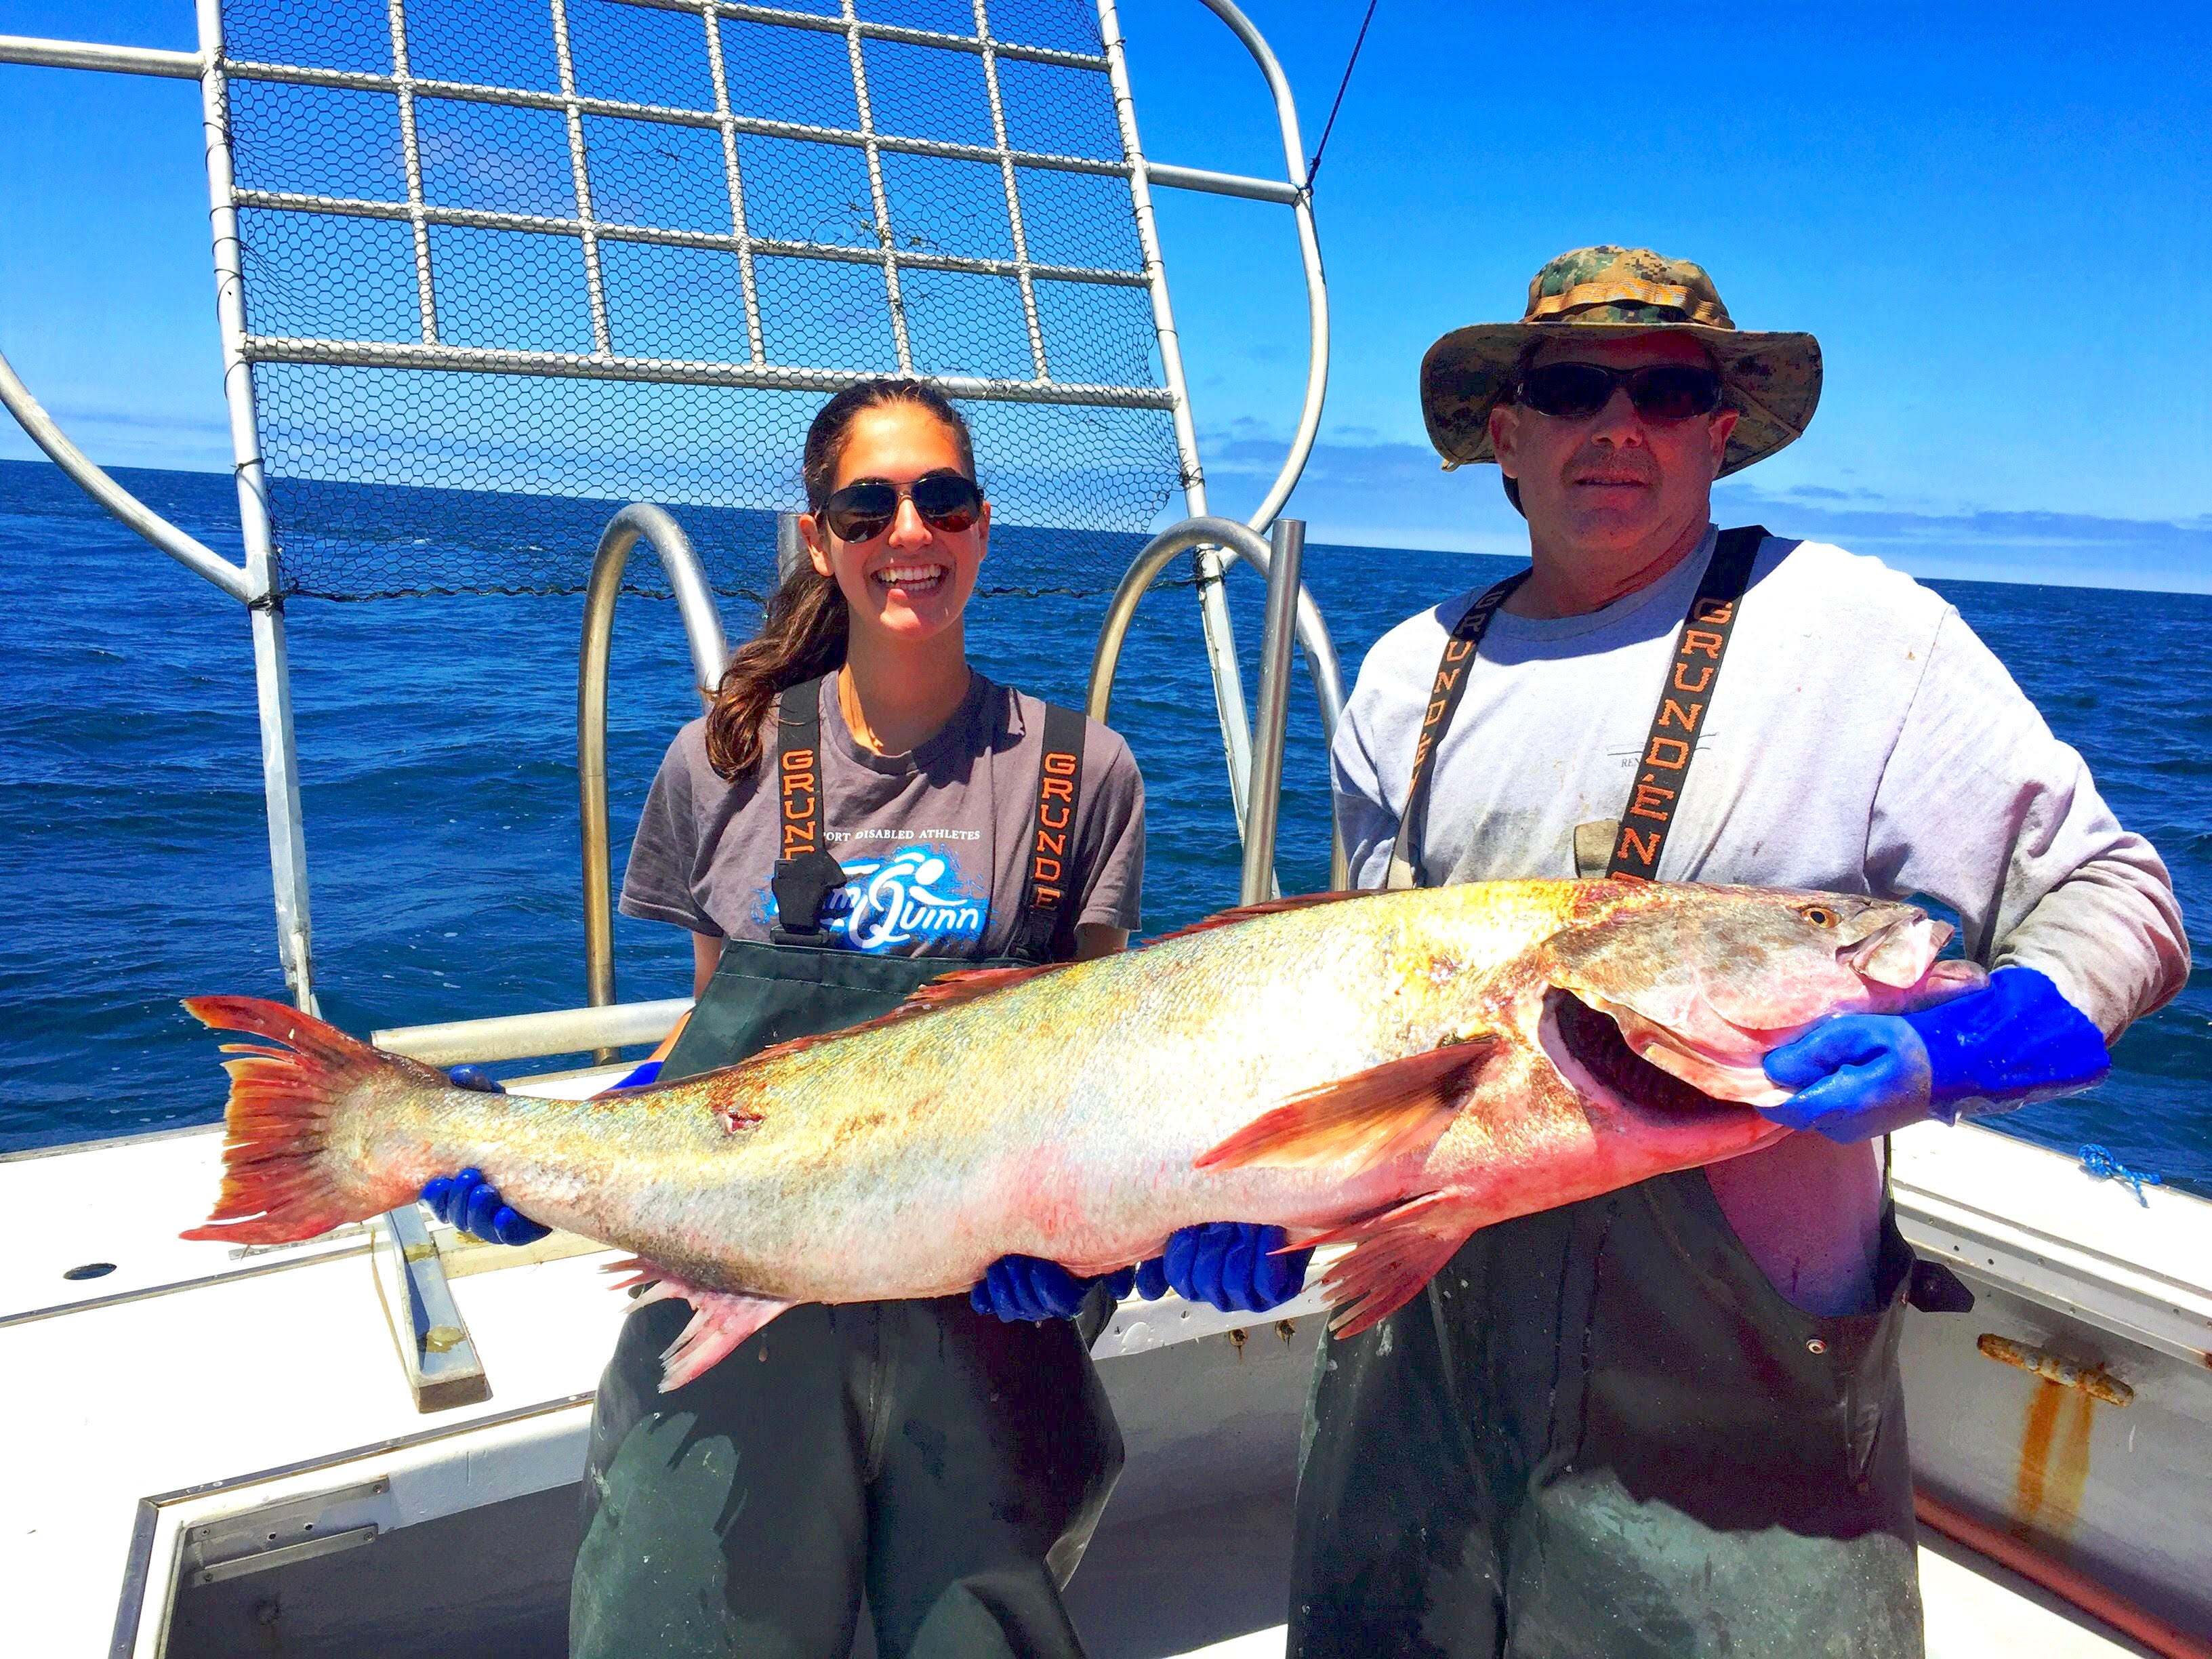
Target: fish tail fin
{"x":1393,"y":1256}
{"x":720,"y":1320}
{"x":1366,"y":1119}
{"x":280,"y":1181}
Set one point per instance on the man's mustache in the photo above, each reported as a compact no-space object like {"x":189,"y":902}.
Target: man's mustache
{"x":1601,"y":464}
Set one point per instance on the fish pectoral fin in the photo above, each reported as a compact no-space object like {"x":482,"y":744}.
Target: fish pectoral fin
{"x":1393,"y":1256}
{"x":720,"y":1320}
{"x":1366,"y":1119}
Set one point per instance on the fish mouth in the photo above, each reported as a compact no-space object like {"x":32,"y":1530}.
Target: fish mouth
{"x":1587,"y":1047}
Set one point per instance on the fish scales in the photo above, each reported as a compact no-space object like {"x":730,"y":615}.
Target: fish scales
{"x":1391,"y":1069}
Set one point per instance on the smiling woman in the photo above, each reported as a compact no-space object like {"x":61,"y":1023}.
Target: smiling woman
{"x":854,"y":719}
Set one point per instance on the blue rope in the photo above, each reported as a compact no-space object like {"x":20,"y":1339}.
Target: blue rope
{"x":2103,"y":1166}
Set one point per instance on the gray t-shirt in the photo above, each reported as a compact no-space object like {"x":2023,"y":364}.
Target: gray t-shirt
{"x":934,"y":842}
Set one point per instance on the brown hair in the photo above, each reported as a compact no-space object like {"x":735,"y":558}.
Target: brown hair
{"x":802,"y":633}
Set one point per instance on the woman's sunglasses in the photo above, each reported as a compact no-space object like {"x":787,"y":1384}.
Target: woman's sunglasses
{"x":860,"y":512}
{"x":1658,"y":392}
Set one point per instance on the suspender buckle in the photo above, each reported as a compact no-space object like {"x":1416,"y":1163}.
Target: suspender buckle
{"x":799,"y":886}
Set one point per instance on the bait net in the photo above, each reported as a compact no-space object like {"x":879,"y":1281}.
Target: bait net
{"x":510,"y":264}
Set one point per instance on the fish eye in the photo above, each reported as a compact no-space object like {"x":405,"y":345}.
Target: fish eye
{"x":1820,"y":915}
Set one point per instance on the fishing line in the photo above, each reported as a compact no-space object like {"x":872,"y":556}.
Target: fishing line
{"x":1313,"y":168}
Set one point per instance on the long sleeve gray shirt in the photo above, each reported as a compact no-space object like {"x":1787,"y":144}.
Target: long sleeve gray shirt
{"x":1861,"y":739}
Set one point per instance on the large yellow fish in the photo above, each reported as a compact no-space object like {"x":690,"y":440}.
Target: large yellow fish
{"x":1392,"y":1070}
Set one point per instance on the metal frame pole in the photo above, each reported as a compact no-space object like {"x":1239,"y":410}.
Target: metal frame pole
{"x":1294,"y":162}
{"x":187,"y":550}
{"x":272,"y":678}
{"x":1212,"y":601}
{"x":1287,"y":546}
{"x":93,"y":55}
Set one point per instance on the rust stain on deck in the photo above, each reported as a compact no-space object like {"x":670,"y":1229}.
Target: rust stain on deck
{"x":2054,"y":1461}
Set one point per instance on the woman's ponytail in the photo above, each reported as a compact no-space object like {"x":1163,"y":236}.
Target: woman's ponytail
{"x":802,"y":637}
{"x":803,"y":633}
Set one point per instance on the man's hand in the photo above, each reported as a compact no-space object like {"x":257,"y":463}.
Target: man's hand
{"x":467,"y":1201}
{"x":2015,"y":1041}
{"x":1029,"y":1287}
{"x":1229,"y":1264}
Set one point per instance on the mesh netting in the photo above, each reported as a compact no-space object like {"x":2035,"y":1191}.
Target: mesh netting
{"x":512,"y":263}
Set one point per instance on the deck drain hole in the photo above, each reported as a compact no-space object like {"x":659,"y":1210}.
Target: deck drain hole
{"x":91,"y":1270}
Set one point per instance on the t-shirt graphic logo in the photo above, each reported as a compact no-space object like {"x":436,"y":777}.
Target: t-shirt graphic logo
{"x":916,"y":894}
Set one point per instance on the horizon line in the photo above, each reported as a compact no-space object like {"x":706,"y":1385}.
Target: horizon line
{"x":1324,"y":533}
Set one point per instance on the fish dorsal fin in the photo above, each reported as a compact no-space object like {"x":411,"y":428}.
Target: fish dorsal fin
{"x":965,"y":985}
{"x":950,"y":990}
{"x":946,"y":991}
{"x":1366,"y":1119}
{"x":1246,"y":912}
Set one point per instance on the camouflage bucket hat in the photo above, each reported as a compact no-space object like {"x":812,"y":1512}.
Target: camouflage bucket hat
{"x":1773,"y":379}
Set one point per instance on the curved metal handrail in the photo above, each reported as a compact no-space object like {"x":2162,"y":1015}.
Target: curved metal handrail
{"x":710,"y":654}
{"x":1144,"y":570}
{"x":187,"y":550}
{"x":1235,"y":538}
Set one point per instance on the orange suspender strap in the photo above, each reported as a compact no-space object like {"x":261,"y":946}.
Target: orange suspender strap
{"x":1693,"y":673}
{"x":1444,"y":693}
{"x":805,"y":870}
{"x":1045,"y":931}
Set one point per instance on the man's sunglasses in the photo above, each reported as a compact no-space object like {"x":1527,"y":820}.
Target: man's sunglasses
{"x":860,"y":512}
{"x":1658,"y":392}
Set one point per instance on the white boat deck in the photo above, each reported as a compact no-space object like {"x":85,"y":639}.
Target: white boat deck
{"x":195,"y":1381}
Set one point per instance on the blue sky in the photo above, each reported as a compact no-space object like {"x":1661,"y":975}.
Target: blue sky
{"x":1999,"y":229}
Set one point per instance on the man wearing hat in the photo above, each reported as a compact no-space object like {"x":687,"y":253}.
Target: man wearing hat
{"x":1668,"y":1420}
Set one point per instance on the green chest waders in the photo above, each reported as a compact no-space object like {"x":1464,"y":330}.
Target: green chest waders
{"x":948,"y":1463}
{"x":1601,"y":1433}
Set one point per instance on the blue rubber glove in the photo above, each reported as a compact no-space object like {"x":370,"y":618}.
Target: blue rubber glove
{"x":1028,"y":1287}
{"x":2015,"y":1041}
{"x":472,"y":1204}
{"x":1228,"y":1264}
{"x":648,"y":1071}
{"x":467,"y":1201}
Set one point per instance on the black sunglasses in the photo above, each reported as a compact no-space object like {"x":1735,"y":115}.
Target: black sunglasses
{"x":863,"y":510}
{"x":1658,"y":392}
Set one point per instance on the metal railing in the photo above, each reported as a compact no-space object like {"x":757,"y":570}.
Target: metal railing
{"x":710,"y":654}
{"x":1312,"y":632}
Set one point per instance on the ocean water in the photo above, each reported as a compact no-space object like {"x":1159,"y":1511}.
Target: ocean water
{"x":437,"y":749}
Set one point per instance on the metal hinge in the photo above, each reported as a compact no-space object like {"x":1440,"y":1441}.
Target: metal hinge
{"x":278,"y":1535}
